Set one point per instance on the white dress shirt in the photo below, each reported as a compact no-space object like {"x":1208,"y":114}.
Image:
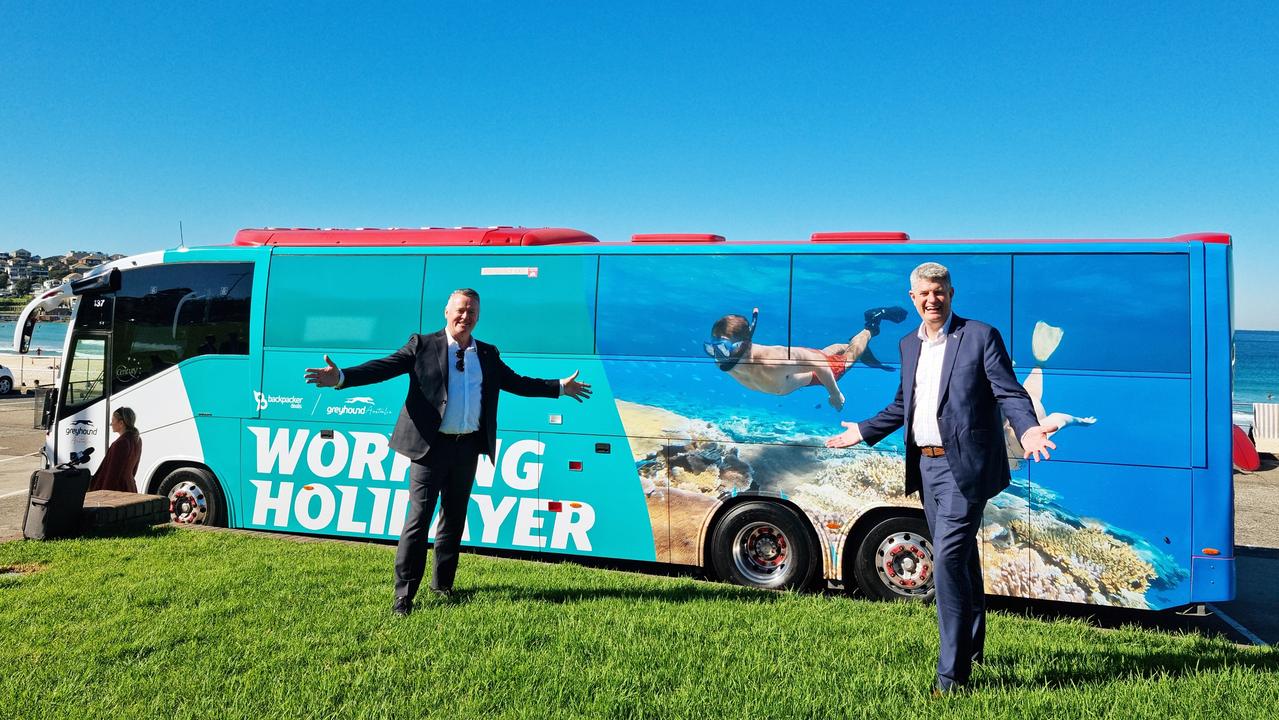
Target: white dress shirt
{"x":462,"y":410}
{"x":924,"y":425}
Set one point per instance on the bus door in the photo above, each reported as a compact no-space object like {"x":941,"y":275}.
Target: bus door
{"x":83,"y":419}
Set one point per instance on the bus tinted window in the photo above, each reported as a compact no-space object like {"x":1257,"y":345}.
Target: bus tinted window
{"x":94,"y":312}
{"x":666,"y":305}
{"x":833,"y":293}
{"x":168,"y":313}
{"x":529,"y":303}
{"x":1126,"y":313}
{"x":85,"y":384}
{"x":330,"y":302}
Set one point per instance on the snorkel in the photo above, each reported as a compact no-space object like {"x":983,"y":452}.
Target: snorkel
{"x":726,"y":352}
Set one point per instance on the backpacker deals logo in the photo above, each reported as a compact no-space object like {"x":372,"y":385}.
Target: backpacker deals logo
{"x":80,"y":428}
{"x":263,"y":400}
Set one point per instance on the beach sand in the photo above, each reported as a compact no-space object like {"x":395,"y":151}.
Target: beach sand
{"x":30,"y":371}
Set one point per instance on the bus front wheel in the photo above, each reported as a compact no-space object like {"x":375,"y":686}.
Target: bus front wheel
{"x":894,"y":561}
{"x":763,"y":545}
{"x":194,"y":497}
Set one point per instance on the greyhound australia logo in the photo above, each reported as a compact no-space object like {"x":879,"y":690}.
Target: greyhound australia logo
{"x":80,"y":428}
{"x":357,"y":405}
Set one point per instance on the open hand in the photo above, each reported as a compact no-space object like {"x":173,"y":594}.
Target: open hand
{"x":570,"y":387}
{"x":850,"y":437}
{"x":1035,"y":442}
{"x":326,"y":376}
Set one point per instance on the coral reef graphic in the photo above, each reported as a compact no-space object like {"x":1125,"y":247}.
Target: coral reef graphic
{"x":687,"y":465}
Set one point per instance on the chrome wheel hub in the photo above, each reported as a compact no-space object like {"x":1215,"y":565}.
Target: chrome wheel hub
{"x":904,"y":563}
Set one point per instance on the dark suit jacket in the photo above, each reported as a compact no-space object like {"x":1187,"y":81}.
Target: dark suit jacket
{"x":977,"y":381}
{"x":425,"y":359}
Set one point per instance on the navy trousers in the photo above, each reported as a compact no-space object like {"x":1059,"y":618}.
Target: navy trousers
{"x":446,"y":474}
{"x":954,"y":522}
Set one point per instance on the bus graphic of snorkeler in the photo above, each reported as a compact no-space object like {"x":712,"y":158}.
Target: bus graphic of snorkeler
{"x":771,"y":368}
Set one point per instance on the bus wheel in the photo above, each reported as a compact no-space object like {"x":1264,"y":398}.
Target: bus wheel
{"x":763,"y":545}
{"x":194,"y":497}
{"x":895,"y":561}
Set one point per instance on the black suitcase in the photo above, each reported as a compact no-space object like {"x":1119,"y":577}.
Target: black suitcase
{"x":57,"y":497}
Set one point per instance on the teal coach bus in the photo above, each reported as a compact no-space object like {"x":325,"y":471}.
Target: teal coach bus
{"x":719,"y":369}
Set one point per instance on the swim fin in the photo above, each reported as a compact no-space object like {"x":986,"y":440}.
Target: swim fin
{"x":875,"y":315}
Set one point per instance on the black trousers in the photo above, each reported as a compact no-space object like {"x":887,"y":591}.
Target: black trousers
{"x":446,"y":474}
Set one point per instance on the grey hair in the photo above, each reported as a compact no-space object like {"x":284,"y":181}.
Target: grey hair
{"x":935,"y":272}
{"x":466,"y":292}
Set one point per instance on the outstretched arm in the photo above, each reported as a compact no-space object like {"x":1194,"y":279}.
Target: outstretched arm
{"x":1014,"y":401}
{"x":373,"y":371}
{"x":518,"y":384}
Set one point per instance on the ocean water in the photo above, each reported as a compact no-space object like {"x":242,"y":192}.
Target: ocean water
{"x":1256,"y":371}
{"x":49,"y":337}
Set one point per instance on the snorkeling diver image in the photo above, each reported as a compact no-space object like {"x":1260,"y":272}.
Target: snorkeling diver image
{"x":778,"y":370}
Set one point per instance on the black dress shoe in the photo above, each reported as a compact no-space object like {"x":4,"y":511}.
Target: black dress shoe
{"x":402,"y":607}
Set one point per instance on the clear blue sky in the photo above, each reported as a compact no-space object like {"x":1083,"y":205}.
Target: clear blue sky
{"x":754,"y":120}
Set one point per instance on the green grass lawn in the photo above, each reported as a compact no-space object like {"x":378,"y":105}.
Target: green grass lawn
{"x":190,"y":624}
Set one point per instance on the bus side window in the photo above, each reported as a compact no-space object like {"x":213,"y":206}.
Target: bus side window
{"x":666,"y":305}
{"x":165,"y":314}
{"x":1116,"y":313}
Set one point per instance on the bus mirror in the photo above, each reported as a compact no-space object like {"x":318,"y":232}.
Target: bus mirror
{"x":107,"y":282}
{"x":46,"y":413}
{"x":28,"y":329}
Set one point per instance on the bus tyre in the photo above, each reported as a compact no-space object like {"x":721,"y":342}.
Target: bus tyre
{"x":764,"y":545}
{"x":194,"y":497}
{"x":894,"y":561}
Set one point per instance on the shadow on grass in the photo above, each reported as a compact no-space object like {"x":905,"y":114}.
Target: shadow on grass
{"x":684,"y":594}
{"x":129,"y":532}
{"x":1104,"y":666}
{"x":1113,"y":618}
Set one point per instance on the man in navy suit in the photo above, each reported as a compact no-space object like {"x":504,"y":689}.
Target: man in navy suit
{"x":449,"y":418}
{"x":956,"y":379}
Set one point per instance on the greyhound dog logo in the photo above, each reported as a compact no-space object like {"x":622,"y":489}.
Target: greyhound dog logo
{"x":361,"y":400}
{"x":82,"y":422}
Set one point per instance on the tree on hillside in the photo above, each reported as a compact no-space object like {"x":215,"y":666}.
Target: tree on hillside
{"x":22,"y":287}
{"x":4,"y":279}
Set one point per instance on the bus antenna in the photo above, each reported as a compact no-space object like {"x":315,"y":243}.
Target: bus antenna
{"x":182,"y":240}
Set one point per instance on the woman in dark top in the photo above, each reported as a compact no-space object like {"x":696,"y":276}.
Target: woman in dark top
{"x":121,"y":463}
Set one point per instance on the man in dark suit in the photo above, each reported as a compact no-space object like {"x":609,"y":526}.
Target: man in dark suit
{"x":449,"y":418}
{"x":956,"y":377}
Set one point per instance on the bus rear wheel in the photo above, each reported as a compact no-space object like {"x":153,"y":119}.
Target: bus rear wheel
{"x":894,"y":561}
{"x":763,"y":545}
{"x":194,"y":497}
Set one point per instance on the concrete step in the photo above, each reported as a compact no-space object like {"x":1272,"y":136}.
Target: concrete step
{"x":110,"y":509}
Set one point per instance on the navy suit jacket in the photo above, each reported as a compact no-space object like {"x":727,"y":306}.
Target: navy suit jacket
{"x":977,"y":382}
{"x":425,"y":359}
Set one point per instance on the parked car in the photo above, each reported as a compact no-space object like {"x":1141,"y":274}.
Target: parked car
{"x":6,"y":380}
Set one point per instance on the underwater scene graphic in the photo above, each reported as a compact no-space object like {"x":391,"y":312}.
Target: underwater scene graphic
{"x":729,"y":373}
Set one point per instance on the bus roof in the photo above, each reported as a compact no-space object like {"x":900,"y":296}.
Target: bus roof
{"x":521,"y":236}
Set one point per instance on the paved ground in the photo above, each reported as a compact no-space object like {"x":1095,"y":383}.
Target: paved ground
{"x":1249,"y":617}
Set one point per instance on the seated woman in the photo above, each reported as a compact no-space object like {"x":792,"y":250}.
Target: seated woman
{"x":121,"y":463}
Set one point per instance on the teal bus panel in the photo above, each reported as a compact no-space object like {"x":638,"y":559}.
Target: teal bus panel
{"x":326,"y":302}
{"x":285,"y":394}
{"x":528,"y":303}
